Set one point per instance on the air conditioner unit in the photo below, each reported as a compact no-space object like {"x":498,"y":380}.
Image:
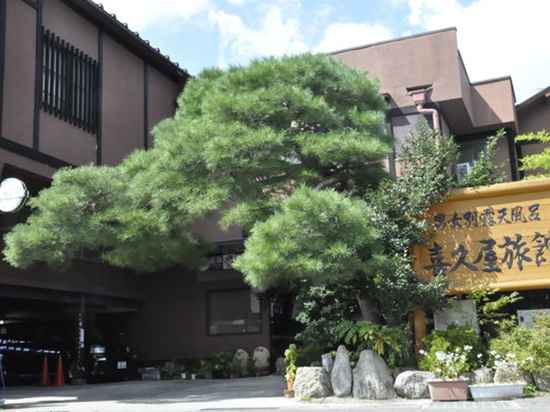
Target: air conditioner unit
{"x":463,"y":170}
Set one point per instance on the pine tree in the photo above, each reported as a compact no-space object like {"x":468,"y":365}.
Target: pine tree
{"x":259,"y":142}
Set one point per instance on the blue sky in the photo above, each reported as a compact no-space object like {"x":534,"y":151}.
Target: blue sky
{"x":496,"y":37}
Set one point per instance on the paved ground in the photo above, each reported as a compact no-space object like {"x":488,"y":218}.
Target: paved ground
{"x":253,"y":394}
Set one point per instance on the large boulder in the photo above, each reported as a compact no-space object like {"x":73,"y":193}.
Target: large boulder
{"x":311,"y":382}
{"x":327,"y":362}
{"x":372,"y":378}
{"x":508,"y":374}
{"x":341,"y":376}
{"x":542,"y":380}
{"x":413,"y":384}
{"x":483,"y":375}
{"x":261,"y":359}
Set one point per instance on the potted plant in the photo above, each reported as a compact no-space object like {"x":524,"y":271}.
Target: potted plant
{"x":291,"y":354}
{"x":449,"y":367}
{"x":513,"y":385}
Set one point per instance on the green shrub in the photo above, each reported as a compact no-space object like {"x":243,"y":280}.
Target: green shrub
{"x":391,"y":343}
{"x":291,"y":356}
{"x":529,"y":346}
{"x":217,"y":365}
{"x":486,"y":170}
{"x":454,"y":339}
{"x":309,"y":355}
{"x":491,"y":310}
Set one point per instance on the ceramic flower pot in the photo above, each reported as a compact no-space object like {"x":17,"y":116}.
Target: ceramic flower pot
{"x":448,"y":390}
{"x":496,"y":391}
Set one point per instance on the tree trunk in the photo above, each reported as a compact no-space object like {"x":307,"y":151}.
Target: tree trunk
{"x":369,"y":311}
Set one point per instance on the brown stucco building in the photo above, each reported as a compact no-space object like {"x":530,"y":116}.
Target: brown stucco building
{"x":78,"y":87}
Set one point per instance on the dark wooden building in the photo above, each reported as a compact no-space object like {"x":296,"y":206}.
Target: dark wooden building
{"x":78,"y":87}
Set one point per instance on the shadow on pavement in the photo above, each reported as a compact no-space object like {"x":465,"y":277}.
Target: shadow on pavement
{"x":149,"y":393}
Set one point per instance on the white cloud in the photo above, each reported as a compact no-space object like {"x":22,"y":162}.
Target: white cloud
{"x":495,"y":37}
{"x":274,"y":36}
{"x":339,"y":36}
{"x":237,"y":2}
{"x":139,"y":14}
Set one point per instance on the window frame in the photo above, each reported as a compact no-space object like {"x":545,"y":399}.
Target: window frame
{"x":70,"y":83}
{"x":209,"y":315}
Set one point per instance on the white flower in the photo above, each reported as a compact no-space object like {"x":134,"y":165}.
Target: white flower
{"x":422,"y":352}
{"x":479,"y":355}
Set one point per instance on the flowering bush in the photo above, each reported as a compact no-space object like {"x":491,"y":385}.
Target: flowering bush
{"x":528,"y":348}
{"x":506,"y":360}
{"x":454,"y":339}
{"x":449,"y":364}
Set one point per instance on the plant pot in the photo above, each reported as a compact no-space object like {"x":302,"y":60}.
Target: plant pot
{"x":496,"y":391}
{"x":448,"y":390}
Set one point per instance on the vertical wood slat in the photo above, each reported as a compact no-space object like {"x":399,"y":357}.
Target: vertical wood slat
{"x":51,"y":90}
{"x":62,"y":80}
{"x":57,"y":49}
{"x":76,"y":73}
{"x":90,"y":93}
{"x":73,"y":84}
{"x":84,"y":91}
{"x":49,"y":74}
{"x":95,"y":97}
{"x":78,"y":112}
{"x":45,"y":71}
{"x":81,"y":89}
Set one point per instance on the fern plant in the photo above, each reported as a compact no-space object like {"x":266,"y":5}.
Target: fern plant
{"x":388,"y":342}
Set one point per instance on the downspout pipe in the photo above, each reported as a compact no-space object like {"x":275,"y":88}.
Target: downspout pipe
{"x":432,"y":112}
{"x":420,"y":96}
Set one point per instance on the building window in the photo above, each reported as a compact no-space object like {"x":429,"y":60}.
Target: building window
{"x":224,"y":254}
{"x":234,"y":312}
{"x":69,"y":83}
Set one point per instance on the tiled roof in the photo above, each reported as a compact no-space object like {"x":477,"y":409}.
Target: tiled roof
{"x":543,"y":94}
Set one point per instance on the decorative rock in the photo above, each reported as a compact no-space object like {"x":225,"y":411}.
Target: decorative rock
{"x":395,"y":372}
{"x":413,"y":384}
{"x":261,"y":358}
{"x":311,"y":382}
{"x":542,"y":380}
{"x":240,"y":360}
{"x":483,"y":375}
{"x":372,"y":378}
{"x":341,"y":375}
{"x":508,"y":374}
{"x":280,"y":366}
{"x":327,"y":362}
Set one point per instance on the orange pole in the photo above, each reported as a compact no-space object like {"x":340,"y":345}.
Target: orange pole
{"x":45,"y":373}
{"x":60,"y":376}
